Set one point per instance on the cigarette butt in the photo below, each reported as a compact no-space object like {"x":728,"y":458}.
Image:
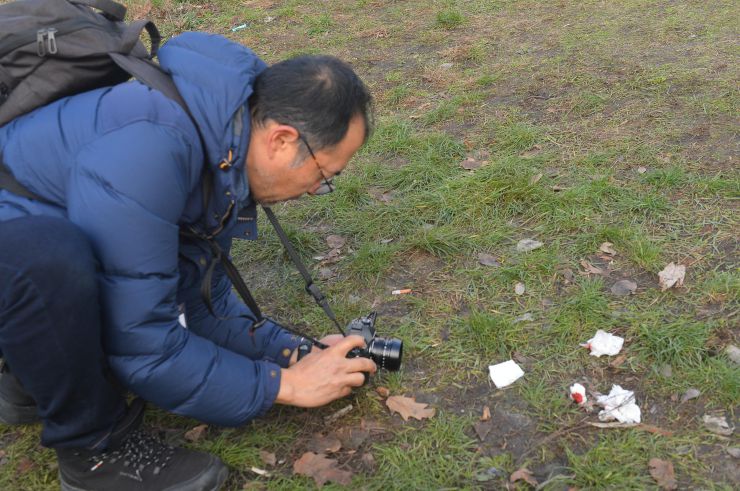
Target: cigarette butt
{"x":401,"y":292}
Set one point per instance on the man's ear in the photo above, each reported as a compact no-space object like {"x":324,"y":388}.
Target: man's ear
{"x":281,"y":139}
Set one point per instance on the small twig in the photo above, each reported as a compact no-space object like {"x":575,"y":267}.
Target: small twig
{"x":552,"y":436}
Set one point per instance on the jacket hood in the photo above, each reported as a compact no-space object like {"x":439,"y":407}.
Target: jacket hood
{"x":215,"y":76}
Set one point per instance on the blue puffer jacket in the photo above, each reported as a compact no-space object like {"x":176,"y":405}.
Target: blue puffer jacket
{"x":124,"y":163}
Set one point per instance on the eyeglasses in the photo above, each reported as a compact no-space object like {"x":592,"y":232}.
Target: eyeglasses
{"x":328,"y":185}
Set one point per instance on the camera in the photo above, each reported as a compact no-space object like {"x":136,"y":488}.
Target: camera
{"x":385,"y":352}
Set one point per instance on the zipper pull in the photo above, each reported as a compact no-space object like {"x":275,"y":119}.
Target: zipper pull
{"x":52,"y":40}
{"x":40,"y":45}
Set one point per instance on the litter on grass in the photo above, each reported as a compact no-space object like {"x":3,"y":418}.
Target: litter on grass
{"x":619,"y":405}
{"x":604,"y":343}
{"x":505,"y":373}
{"x":401,"y":292}
{"x":578,"y":394}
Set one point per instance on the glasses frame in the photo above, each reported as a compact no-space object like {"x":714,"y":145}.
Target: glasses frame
{"x":328,"y":185}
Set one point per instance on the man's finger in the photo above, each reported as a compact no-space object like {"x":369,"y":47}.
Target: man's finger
{"x":356,"y":379}
{"x":348,"y":343}
{"x":361,"y":364}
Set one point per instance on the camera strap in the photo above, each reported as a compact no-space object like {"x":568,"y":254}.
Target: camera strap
{"x":311,"y":287}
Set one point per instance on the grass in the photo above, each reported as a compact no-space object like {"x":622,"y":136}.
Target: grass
{"x":564,"y":108}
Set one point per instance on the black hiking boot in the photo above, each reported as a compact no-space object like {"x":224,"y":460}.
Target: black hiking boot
{"x":138,"y":461}
{"x":16,"y":406}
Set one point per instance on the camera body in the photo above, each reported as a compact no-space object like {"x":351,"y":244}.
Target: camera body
{"x":385,"y":352}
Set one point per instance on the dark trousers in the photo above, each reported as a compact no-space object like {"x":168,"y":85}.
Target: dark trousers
{"x":50,"y":330}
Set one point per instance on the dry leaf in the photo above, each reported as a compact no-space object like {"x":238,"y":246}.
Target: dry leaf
{"x":196,"y":433}
{"x":608,"y":248}
{"x":673,"y":274}
{"x":519,"y":288}
{"x":591,"y":269}
{"x":692,"y":393}
{"x":324,"y":444}
{"x":526,"y":245}
{"x":383,"y":391}
{"x":24,"y":465}
{"x":488,"y":260}
{"x":407,"y":407}
{"x":662,"y":472}
{"x":535,"y":150}
{"x":321,"y":469}
{"x":641,"y":170}
{"x":535,"y":179}
{"x":718,"y":424}
{"x":352,"y":438}
{"x":368,"y":462}
{"x":335,"y":241}
{"x":624,"y":287}
{"x":482,"y":429}
{"x":470,"y":164}
{"x":268,"y":458}
{"x":486,"y":414}
{"x":523,"y":474}
{"x":618,"y":361}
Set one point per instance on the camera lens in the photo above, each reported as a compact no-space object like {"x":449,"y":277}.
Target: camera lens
{"x":386,"y":353}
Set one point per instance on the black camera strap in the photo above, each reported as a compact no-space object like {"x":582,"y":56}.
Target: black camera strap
{"x":311,"y":287}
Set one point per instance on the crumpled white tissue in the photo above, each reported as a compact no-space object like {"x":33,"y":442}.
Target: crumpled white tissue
{"x":578,"y":394}
{"x":619,"y":405}
{"x":604,"y":343}
{"x":505,"y":373}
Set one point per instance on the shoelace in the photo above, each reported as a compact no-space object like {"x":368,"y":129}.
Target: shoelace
{"x":138,"y":451}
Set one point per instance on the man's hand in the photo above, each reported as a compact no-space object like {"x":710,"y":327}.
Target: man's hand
{"x":329,"y":340}
{"x":324,"y":375}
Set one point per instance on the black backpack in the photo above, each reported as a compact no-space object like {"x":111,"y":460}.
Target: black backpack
{"x":54,"y":48}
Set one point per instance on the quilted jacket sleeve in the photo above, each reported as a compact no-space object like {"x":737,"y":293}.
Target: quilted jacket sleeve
{"x":127,"y":191}
{"x":233,"y":330}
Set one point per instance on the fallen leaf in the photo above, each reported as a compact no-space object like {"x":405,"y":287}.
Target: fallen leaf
{"x":519,"y":288}
{"x":526,"y":245}
{"x":608,"y":248}
{"x":692,"y":393}
{"x":662,"y":472}
{"x":591,"y":269}
{"x":368,"y":462}
{"x":268,"y":458}
{"x":618,"y":361}
{"x":535,"y":150}
{"x":470,"y":164}
{"x":486,"y":414}
{"x":352,"y":438}
{"x":734,"y":452}
{"x":324,"y":444}
{"x":488,"y":260}
{"x":383,"y":391}
{"x":673,"y":274}
{"x":407,"y":407}
{"x":624,"y":287}
{"x":196,"y":433}
{"x":24,"y":466}
{"x":718,"y":424}
{"x":568,"y":275}
{"x":326,"y":273}
{"x":641,"y":170}
{"x":523,"y":474}
{"x":733,"y":352}
{"x":535,"y":179}
{"x":482,"y":429}
{"x":335,"y":241}
{"x":321,"y":469}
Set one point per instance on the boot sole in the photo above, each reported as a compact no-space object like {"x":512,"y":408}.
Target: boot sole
{"x":13,"y":414}
{"x":199,"y":483}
